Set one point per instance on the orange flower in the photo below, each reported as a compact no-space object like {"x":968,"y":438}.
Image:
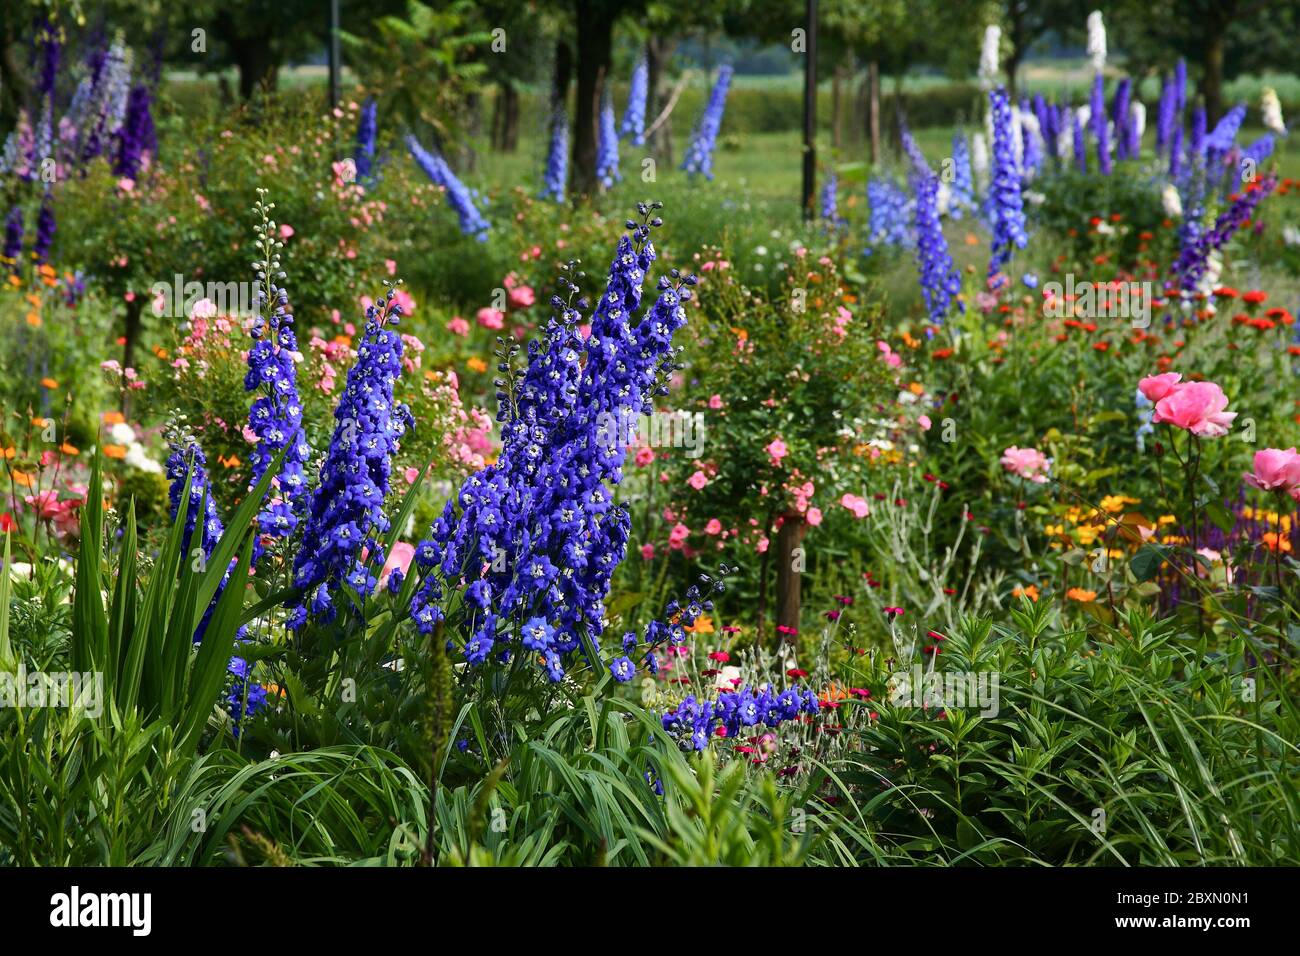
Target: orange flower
{"x":49,"y":382}
{"x":115,"y":451}
{"x":113,"y":418}
{"x":833,"y":692}
{"x":22,"y":478}
{"x":1081,"y":595}
{"x":69,"y":449}
{"x":33,"y":320}
{"x":703,"y":625}
{"x":476,"y":364}
{"x":1030,"y":591}
{"x":1274,"y":542}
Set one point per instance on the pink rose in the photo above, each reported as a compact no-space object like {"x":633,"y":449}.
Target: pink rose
{"x":644,"y":455}
{"x":1197,"y":407}
{"x":1028,"y":463}
{"x":924,"y":422}
{"x":715,"y":401}
{"x":1156,"y":387}
{"x":776,"y":448}
{"x":857,"y":505}
{"x":399,"y":557}
{"x":814,"y":516}
{"x":521,"y":297}
{"x":491,"y":318}
{"x":647,"y":552}
{"x":1276,"y":470}
{"x":698,"y":480}
{"x":286,"y":231}
{"x":713,"y":527}
{"x":458,"y":326}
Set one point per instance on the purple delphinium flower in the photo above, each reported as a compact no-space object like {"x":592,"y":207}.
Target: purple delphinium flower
{"x":45,"y":228}
{"x":1103,"y":147}
{"x":135,"y":134}
{"x":347,"y":506}
{"x":607,"y":172}
{"x":633,"y":124}
{"x":889,"y":215}
{"x":1166,"y":116}
{"x":12,"y":251}
{"x":363,"y":154}
{"x":1196,"y":142}
{"x":556,"y":176}
{"x":912,"y":151}
{"x":1120,"y":117}
{"x":699,"y":154}
{"x":538,"y":534}
{"x":693,"y":723}
{"x":435,"y":167}
{"x":1225,"y":130}
{"x":1080,"y":144}
{"x":830,"y":201}
{"x":1176,"y":153}
{"x":1180,"y":86}
{"x":275,"y":417}
{"x":1191,"y":263}
{"x":961,"y":198}
{"x":186,"y":459}
{"x":1252,"y":157}
{"x":1006,"y":207}
{"x":940,"y":280}
{"x":1097,"y":107}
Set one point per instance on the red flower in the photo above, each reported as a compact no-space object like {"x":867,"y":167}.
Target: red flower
{"x":7,"y":522}
{"x":796,"y":672}
{"x":720,"y":656}
{"x":1254,"y":297}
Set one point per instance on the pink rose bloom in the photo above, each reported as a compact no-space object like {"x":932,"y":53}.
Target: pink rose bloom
{"x":644,"y":456}
{"x":715,"y":401}
{"x":405,"y":300}
{"x":678,"y":535}
{"x":286,"y":231}
{"x":647,"y":552}
{"x":857,"y":505}
{"x":399,"y":557}
{"x":521,"y":297}
{"x":698,"y":480}
{"x":1276,"y":470}
{"x":924,"y":422}
{"x":491,"y":318}
{"x":458,"y":326}
{"x":1156,"y":387}
{"x":411,"y":474}
{"x":713,"y":527}
{"x":126,"y":185}
{"x":1028,"y":463}
{"x":776,"y":448}
{"x":762,"y":545}
{"x":814,"y":516}
{"x":1197,"y":407}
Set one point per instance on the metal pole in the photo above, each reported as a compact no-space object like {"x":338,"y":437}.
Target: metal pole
{"x":810,"y":112}
{"x":334,"y":53}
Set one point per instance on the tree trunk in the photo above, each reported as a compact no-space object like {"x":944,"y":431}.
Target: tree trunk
{"x":130,"y":339}
{"x":1212,"y":84}
{"x":873,"y":110}
{"x":257,"y":68}
{"x":563,"y":74}
{"x":12,"y":77}
{"x":595,"y":35}
{"x":510,"y":130}
{"x":837,"y":91}
{"x":789,"y":572}
{"x":657,"y":53}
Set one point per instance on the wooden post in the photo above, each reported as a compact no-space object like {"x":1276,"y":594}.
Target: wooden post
{"x":789,"y":572}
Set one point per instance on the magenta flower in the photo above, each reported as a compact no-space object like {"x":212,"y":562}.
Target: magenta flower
{"x":1156,"y":387}
{"x":1196,"y":407}
{"x":1276,"y":469}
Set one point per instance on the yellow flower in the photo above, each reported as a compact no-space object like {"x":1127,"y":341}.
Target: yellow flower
{"x":1117,"y":503}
